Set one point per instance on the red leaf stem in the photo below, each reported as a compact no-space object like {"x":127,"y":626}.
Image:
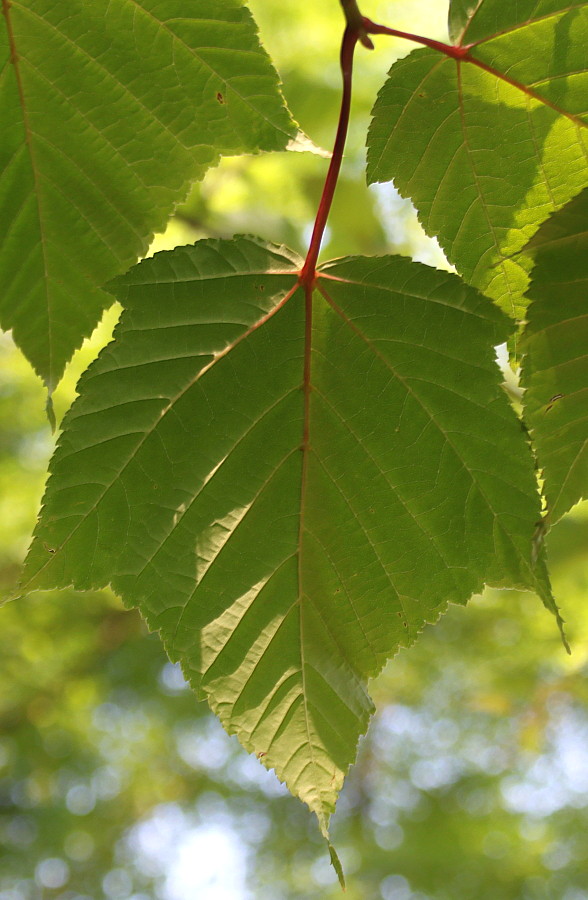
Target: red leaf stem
{"x":455,"y":52}
{"x":308,"y":272}
{"x":353,"y":33}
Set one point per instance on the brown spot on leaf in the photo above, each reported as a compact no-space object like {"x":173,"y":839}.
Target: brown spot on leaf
{"x":553,"y":400}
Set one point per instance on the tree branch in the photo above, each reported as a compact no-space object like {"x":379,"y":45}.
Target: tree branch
{"x":355,"y":22}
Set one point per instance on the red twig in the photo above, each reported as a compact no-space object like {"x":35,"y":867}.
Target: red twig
{"x":357,"y":30}
{"x":455,"y":52}
{"x":308,"y":272}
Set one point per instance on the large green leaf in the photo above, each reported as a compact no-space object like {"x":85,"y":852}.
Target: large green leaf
{"x":489,"y":146}
{"x":555,"y":370}
{"x":109,"y":111}
{"x":477,"y":20}
{"x":289,"y":488}
{"x":460,"y":14}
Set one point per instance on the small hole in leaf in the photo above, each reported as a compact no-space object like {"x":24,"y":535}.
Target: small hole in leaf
{"x":220,"y":97}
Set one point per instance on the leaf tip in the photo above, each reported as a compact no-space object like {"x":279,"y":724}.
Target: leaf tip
{"x":336,"y":863}
{"x":50,"y":410}
{"x":562,"y":631}
{"x":550,"y":604}
{"x":333,"y":855}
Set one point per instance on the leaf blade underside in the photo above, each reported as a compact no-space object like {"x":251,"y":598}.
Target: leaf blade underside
{"x":461,"y":13}
{"x":555,"y":366}
{"x":488,"y":147}
{"x":109,"y":112}
{"x":286,"y":538}
{"x":480,"y":20}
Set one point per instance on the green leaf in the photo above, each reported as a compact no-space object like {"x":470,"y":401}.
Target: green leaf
{"x":476,"y":20}
{"x":109,"y":111}
{"x":460,"y":14}
{"x":290,"y":487}
{"x":489,"y":146}
{"x":555,"y":369}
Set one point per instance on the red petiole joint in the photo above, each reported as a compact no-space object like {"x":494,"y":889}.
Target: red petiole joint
{"x":358,"y":28}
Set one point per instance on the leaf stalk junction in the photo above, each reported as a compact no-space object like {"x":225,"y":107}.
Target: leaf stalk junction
{"x":357,"y":29}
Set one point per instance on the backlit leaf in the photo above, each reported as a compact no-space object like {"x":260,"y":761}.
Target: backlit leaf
{"x":460,"y":14}
{"x":477,"y":20}
{"x":289,"y":488}
{"x":555,"y":370}
{"x":488,"y":147}
{"x":108,"y":112}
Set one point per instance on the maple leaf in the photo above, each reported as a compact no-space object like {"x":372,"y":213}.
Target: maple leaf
{"x":289,"y":483}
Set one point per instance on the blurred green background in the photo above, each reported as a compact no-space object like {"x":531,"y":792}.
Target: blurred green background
{"x":115,"y":784}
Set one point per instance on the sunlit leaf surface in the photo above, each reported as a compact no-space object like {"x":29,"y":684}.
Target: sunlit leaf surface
{"x":290,"y":487}
{"x":555,"y":371}
{"x":109,"y":111}
{"x":460,"y":15}
{"x":489,"y":147}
